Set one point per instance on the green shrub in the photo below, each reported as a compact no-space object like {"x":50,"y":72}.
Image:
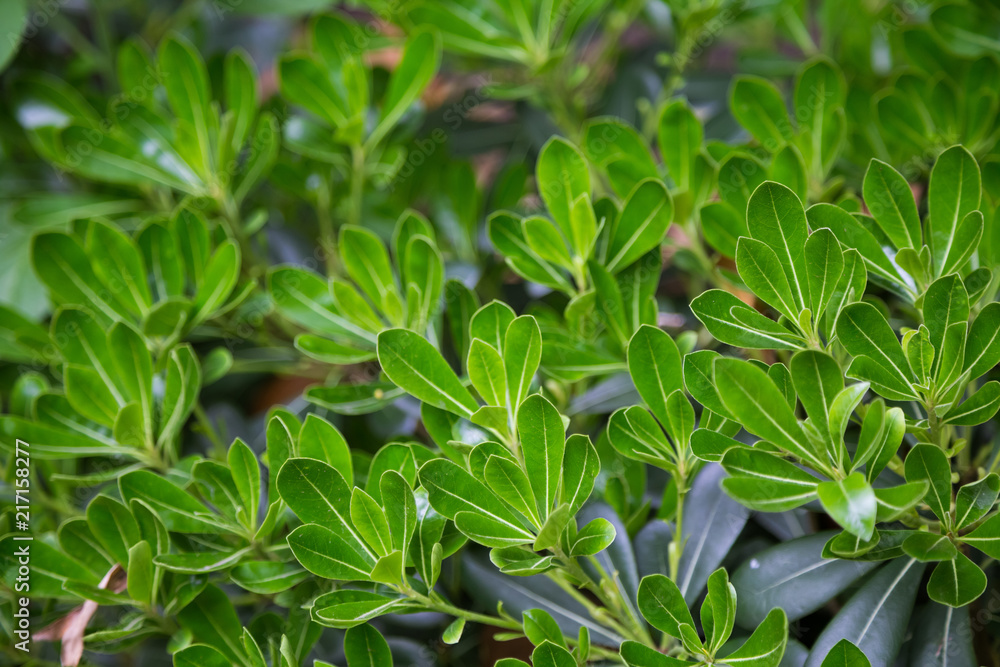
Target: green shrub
{"x":736,"y":361}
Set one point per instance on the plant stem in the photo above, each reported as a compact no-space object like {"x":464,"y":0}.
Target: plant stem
{"x":357,"y":185}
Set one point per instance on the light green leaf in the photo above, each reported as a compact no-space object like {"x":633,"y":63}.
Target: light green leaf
{"x":543,"y":442}
{"x":851,"y":503}
{"x":486,"y":370}
{"x":655,"y":366}
{"x":955,"y":190}
{"x":641,"y":225}
{"x":890,"y":200}
{"x":415,"y":365}
{"x":758,"y":106}
{"x":929,"y":462}
{"x":662,"y":604}
{"x":956,"y":582}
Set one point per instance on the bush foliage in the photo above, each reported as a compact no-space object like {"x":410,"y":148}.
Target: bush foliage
{"x":486,"y":331}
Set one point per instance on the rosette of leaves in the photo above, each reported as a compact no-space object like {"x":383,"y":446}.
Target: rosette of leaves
{"x":115,"y":397}
{"x":165,"y":132}
{"x":622,"y":157}
{"x":803,"y":146}
{"x":175,"y":275}
{"x":943,"y":96}
{"x":603,"y":254}
{"x":934,"y":367}
{"x":794,"y":263}
{"x":353,"y":142}
{"x":528,"y":42}
{"x":174,"y":541}
{"x":344,"y":318}
{"x":906,"y":255}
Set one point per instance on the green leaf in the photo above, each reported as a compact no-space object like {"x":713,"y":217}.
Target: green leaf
{"x":563,"y":176}
{"x":319,"y":439}
{"x":267,"y":577}
{"x":370,"y":521}
{"x":581,"y":465}
{"x":662,"y":605}
{"x":119,"y":266}
{"x":487,"y":373}
{"x":966,"y":239}
{"x":304,"y":297}
{"x":718,"y":611}
{"x":890,"y":200}
{"x":419,"y":64}
{"x":722,"y":227}
{"x":200,"y":563}
{"x":639,"y":655}
{"x":200,"y":655}
{"x":63,"y":266}
{"x":894,"y":501}
{"x":986,"y":537}
{"x":539,"y":627}
{"x":942,"y":636}
{"x":955,"y":190}
{"x":762,"y":272}
{"x":824,"y":266}
{"x":640,"y":227}
{"x":757,"y":105}
{"x":367,"y":262}
{"x":491,"y":322}
{"x":851,"y":503}
{"x":114,"y":527}
{"x":945,"y":303}
{"x":364,"y":646}
{"x":185,"y":79}
{"x":679,"y":138}
{"x":956,"y":582}
{"x":543,"y":442}
{"x":865,"y":334}
{"x":453,"y":633}
{"x":545,"y":239}
{"x":220,"y":276}
{"x":876,"y":617}
{"x":982,"y":347}
{"x":593,"y":538}
{"x":766,"y":645}
{"x":978,"y":408}
{"x":818,"y":380}
{"x":929,"y":462}
{"x":551,"y":655}
{"x":655,"y":366}
{"x":346,"y":608}
{"x":975,"y":500}
{"x":327,"y":554}
{"x":928,"y":547}
{"x":509,"y":482}
{"x":305,"y":83}
{"x":752,"y":397}
{"x":212,"y":620}
{"x":416,"y":366}
{"x":718,"y":311}
{"x":845,"y":654}
{"x":522,"y":349}
{"x":617,"y":149}
{"x":178,"y":510}
{"x":453,"y":491}
{"x":776,"y":217}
